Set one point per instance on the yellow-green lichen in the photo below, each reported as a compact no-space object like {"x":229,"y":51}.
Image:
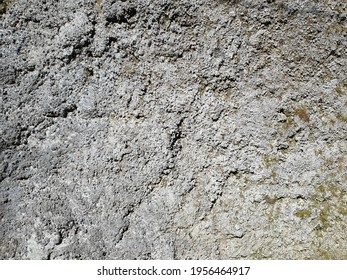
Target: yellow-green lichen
{"x":326,"y":254}
{"x":323,"y":255}
{"x":259,"y":254}
{"x":341,"y":88}
{"x":163,"y":182}
{"x":324,"y":216}
{"x":303,"y":214}
{"x":328,"y":207}
{"x":326,"y":76}
{"x":289,"y":122}
{"x":341,"y":117}
{"x":269,"y":160}
{"x":273,"y":174}
{"x":330,"y":202}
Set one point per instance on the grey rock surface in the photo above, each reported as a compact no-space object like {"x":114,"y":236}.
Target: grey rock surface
{"x":157,"y":129}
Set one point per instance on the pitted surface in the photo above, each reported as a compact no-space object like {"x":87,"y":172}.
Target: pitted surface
{"x":144,"y":129}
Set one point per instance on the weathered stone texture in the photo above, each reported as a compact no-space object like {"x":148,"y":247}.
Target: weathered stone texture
{"x":157,"y":129}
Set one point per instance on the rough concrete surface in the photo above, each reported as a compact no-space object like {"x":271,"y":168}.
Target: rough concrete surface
{"x":158,"y":129}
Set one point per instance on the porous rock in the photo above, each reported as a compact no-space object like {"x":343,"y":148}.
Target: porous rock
{"x":156,"y":129}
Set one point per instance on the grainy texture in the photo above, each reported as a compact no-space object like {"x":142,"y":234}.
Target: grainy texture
{"x":157,"y":129}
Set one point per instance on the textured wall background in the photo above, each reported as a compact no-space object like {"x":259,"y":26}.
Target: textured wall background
{"x":157,"y":129}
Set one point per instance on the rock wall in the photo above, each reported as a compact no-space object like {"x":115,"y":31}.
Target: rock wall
{"x":158,"y":129}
